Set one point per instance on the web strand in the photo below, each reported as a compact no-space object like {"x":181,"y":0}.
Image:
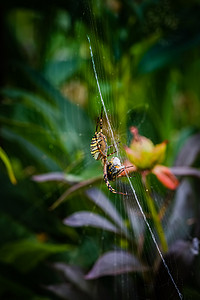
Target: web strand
{"x":132,"y":188}
{"x":102,"y":101}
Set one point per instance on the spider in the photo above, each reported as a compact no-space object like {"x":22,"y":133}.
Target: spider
{"x":99,"y":148}
{"x":112,"y":170}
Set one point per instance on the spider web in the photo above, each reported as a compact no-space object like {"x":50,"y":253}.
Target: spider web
{"x":129,"y":181}
{"x":86,"y":91}
{"x":111,"y":134}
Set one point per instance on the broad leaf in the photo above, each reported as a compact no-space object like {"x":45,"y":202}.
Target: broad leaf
{"x":183,"y":211}
{"x":59,"y":71}
{"x":163,"y":53}
{"x":85,"y":218}
{"x":32,"y":150}
{"x":68,"y":109}
{"x":136,"y":219}
{"x":74,"y":275}
{"x":67,"y":291}
{"x":189,"y":152}
{"x":185,"y":171}
{"x":72,"y":189}
{"x":27,"y":253}
{"x":115,"y":262}
{"x":180,"y":260}
{"x":47,"y":110}
{"x":103,"y":202}
{"x":56,"y":176}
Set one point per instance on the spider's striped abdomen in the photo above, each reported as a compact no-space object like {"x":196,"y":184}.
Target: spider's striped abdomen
{"x":98,"y":146}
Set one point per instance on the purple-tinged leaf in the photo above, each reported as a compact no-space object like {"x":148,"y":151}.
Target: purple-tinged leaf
{"x":72,"y":189}
{"x":185,"y":171}
{"x":74,"y":275}
{"x":180,"y":260}
{"x":189,"y":151}
{"x":76,"y":286}
{"x":85,"y":218}
{"x":67,"y":291}
{"x":136,"y":219}
{"x":185,"y":250}
{"x":56,"y":176}
{"x":182,"y":214}
{"x":103,"y":202}
{"x":115,"y":262}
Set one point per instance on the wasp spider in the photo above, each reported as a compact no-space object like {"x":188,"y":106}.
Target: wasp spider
{"x":99,"y":148}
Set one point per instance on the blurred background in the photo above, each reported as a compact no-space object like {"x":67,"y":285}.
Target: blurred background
{"x":147,"y":56}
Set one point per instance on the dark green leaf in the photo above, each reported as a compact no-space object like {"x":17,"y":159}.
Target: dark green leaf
{"x":27,"y":253}
{"x":59,"y":71}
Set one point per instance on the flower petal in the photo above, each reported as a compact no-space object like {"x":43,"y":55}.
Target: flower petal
{"x":166,"y":177}
{"x":159,"y":152}
{"x":129,"y":168}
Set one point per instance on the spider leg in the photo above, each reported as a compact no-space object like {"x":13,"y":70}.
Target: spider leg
{"x":114,"y":151}
{"x":105,"y":177}
{"x":122,"y":170}
{"x":113,"y":145}
{"x":111,"y":153}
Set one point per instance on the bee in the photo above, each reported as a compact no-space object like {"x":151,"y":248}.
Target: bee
{"x":114,"y":168}
{"x":99,"y":150}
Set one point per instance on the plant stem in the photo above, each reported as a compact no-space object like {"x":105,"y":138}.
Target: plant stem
{"x":155,"y":217}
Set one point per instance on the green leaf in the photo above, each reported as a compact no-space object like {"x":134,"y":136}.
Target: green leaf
{"x":66,"y":107}
{"x":167,"y":51}
{"x":59,"y":71}
{"x":25,"y":254}
{"x":42,"y":156}
{"x":25,"y":100}
{"x":14,"y":230}
{"x":8,"y":165}
{"x":68,"y":123}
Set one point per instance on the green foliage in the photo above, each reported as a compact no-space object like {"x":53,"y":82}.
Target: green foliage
{"x":8,"y":165}
{"x":147,"y":59}
{"x":26,"y":254}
